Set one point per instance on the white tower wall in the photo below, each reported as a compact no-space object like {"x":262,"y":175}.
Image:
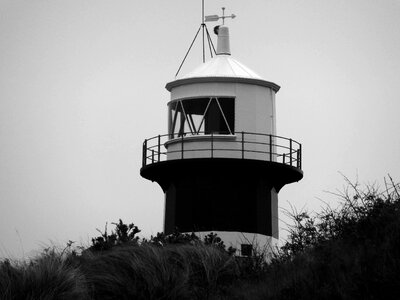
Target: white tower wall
{"x":254,"y":105}
{"x":206,"y":89}
{"x":254,"y":113}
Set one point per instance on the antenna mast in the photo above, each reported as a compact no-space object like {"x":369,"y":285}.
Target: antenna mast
{"x":203,"y":25}
{"x":204,"y":29}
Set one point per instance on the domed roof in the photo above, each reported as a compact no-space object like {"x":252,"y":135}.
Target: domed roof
{"x":222,"y":66}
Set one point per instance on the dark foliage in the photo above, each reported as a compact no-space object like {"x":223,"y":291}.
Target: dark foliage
{"x":123,"y":234}
{"x":346,"y":253}
{"x":46,"y":277}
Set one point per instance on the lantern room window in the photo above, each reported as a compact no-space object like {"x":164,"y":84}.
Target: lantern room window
{"x":212,"y":115}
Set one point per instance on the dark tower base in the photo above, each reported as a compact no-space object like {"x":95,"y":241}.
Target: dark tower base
{"x":221,"y":194}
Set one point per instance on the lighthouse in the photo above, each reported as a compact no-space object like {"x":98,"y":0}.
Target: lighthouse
{"x":221,"y":163}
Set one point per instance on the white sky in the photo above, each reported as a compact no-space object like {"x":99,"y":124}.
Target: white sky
{"x":82,"y":85}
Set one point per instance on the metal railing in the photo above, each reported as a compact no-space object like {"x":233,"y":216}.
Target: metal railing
{"x":246,"y":145}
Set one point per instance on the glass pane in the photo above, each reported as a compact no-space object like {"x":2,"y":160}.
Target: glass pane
{"x":177,"y":120}
{"x":220,"y":118}
{"x":195,"y":109}
{"x":213,"y":118}
{"x":228,"y":108}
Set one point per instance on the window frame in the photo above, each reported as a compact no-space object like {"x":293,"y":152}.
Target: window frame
{"x":174,"y":110}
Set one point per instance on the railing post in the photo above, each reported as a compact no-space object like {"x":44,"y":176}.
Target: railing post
{"x":182,"y":147}
{"x":212,"y":144}
{"x":144,"y":153}
{"x":270,"y":147}
{"x":242,"y":145}
{"x":291,"y":159}
{"x":152,"y":156}
{"x":284,"y":158}
{"x":158,"y":147}
{"x":300,"y":158}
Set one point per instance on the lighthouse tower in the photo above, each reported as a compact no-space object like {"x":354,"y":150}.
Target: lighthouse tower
{"x":222,"y":164}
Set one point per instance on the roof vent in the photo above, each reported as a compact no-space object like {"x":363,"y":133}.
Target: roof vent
{"x":223,"y":46}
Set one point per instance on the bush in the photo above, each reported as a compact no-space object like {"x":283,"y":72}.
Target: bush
{"x":348,"y":253}
{"x":124,"y":234}
{"x":360,"y":214}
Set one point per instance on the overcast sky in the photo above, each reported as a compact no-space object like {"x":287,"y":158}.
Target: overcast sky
{"x":82,"y":85}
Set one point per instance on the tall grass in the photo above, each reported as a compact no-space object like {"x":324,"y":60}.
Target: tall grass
{"x":152,"y":272}
{"x":46,"y":277}
{"x":143,"y":271}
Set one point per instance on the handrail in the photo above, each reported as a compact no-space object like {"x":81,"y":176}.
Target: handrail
{"x":271,"y":147}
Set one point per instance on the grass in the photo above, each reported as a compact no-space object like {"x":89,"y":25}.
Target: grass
{"x":349,"y":253}
{"x":48,"y":276}
{"x":126,"y":272}
{"x":151,"y":272}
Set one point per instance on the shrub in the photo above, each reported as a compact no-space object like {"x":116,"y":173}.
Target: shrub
{"x":348,"y":253}
{"x":123,"y":234}
{"x":359,"y":215}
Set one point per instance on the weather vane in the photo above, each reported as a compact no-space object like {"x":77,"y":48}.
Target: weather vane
{"x":213,"y":18}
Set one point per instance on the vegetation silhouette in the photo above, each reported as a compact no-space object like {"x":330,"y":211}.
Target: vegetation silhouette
{"x":351,"y":252}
